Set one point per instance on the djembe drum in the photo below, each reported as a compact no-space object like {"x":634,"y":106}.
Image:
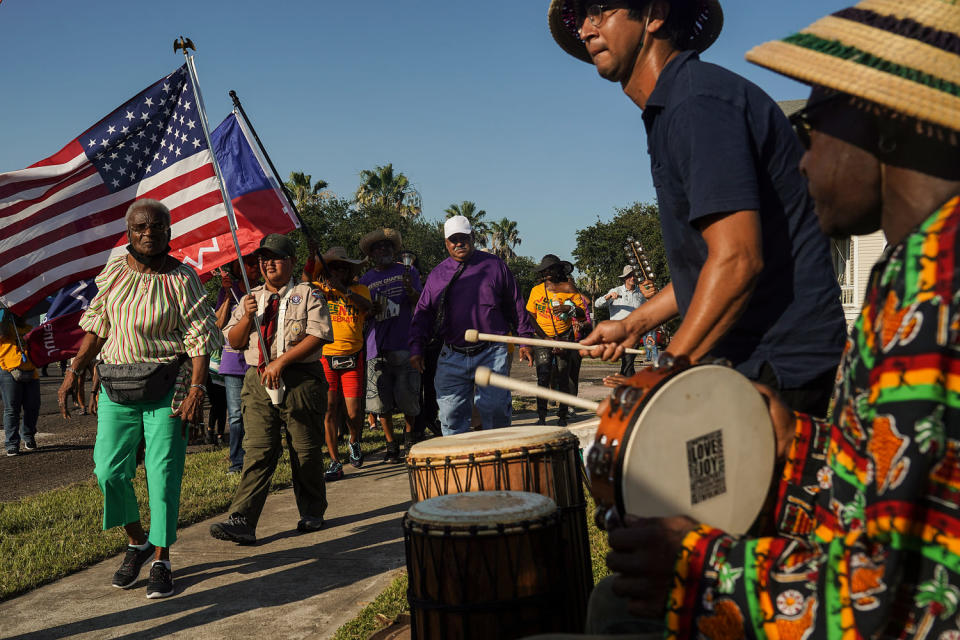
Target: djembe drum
{"x":542,"y":460}
{"x":485,"y":565}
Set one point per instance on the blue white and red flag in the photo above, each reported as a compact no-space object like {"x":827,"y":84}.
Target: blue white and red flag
{"x":62,"y":218}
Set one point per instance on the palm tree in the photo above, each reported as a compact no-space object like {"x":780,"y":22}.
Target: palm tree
{"x":504,"y":237}
{"x":468,"y":209}
{"x":383,"y":186}
{"x":303,"y":193}
{"x":939,"y":597}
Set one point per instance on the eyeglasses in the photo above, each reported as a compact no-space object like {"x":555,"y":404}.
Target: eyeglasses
{"x":595,"y":12}
{"x":141,"y":228}
{"x":802,"y":123}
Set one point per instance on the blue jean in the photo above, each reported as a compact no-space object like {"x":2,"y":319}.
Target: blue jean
{"x":456,"y":394}
{"x":233,"y":386}
{"x":20,"y":399}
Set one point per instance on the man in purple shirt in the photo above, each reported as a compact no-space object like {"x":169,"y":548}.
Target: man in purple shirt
{"x":391,"y":382}
{"x":470,"y":290}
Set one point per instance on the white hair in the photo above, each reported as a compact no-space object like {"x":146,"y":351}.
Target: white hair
{"x":147,"y":203}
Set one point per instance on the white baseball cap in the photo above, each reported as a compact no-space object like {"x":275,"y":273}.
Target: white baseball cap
{"x":455,"y":225}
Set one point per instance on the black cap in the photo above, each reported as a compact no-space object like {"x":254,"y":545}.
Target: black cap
{"x":277,"y":244}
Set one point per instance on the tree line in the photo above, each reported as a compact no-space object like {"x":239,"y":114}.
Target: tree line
{"x":387,"y":198}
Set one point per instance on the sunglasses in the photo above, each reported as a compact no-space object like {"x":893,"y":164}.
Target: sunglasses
{"x":803,"y":124}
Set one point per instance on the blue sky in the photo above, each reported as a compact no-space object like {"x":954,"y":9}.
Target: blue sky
{"x":472,"y":101}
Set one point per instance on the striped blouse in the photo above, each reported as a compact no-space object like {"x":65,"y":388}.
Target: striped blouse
{"x":149,"y":317}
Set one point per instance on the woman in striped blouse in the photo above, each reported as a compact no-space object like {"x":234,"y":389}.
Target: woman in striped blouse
{"x":150,"y":309}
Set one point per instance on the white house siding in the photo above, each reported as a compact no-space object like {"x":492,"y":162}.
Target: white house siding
{"x":864,"y":252}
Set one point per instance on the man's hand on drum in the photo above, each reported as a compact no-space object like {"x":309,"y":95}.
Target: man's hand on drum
{"x":783,"y":417}
{"x":609,"y":339}
{"x":643,"y":553}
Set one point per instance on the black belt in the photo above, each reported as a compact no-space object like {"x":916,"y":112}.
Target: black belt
{"x":469,"y":351}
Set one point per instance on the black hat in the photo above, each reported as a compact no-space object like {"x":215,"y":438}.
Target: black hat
{"x":277,"y":244}
{"x":551,"y":260}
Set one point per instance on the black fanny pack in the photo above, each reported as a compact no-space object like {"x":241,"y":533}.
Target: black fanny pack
{"x":140,"y":381}
{"x":340,"y":363}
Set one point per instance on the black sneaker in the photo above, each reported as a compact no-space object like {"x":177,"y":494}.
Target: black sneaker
{"x":393,"y":452}
{"x":562,"y":421}
{"x":334,"y":471}
{"x":356,"y":454}
{"x":129,"y":569}
{"x":13,"y":452}
{"x":541,"y":420}
{"x":30,"y":445}
{"x":235,"y":529}
{"x":160,"y":584}
{"x":309,"y":525}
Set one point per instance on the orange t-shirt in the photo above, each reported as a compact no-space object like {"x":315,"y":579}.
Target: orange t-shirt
{"x":547,"y":306}
{"x":347,"y":320}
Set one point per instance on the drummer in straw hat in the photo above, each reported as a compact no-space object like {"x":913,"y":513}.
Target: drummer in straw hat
{"x":752,"y":276}
{"x":867,"y":525}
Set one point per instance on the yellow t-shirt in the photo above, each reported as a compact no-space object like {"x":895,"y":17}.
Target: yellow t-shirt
{"x":347,"y":320}
{"x":547,"y":307}
{"x":10,"y":352}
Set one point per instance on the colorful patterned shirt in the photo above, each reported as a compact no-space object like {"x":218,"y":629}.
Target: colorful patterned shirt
{"x":554,"y":315}
{"x":868,"y":516}
{"x":152,"y":317}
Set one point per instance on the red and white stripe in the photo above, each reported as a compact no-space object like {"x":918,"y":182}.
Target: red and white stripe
{"x":59,"y":223}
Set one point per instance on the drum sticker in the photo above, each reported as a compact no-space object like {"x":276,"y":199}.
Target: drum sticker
{"x":705,"y":463}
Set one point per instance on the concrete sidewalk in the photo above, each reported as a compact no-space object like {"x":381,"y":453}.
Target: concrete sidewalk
{"x":289,"y":585}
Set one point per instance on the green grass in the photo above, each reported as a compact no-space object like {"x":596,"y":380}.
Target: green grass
{"x":393,"y":600}
{"x":53,"y":534}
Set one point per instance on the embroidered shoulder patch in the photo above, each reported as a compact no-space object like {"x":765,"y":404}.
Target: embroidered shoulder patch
{"x":295,"y":299}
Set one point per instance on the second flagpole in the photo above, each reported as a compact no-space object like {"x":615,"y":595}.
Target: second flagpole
{"x":227,"y":202}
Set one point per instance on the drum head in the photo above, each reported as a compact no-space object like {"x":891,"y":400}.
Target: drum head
{"x":482,"y":508}
{"x":702,"y":446}
{"x":507,"y":438}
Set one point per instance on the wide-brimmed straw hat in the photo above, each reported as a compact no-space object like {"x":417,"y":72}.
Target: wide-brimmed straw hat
{"x":372,"y":238}
{"x":900,"y":54}
{"x":562,"y":17}
{"x":339,"y":254}
{"x":627,"y":272}
{"x":551,"y":260}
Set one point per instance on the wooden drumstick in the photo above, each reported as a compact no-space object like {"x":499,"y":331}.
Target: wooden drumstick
{"x":472,"y":335}
{"x":486,"y":378}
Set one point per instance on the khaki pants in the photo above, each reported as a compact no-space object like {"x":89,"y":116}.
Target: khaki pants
{"x":302,"y":412}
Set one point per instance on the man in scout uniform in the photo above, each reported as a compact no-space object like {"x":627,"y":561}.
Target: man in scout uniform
{"x":867,"y":529}
{"x":296,"y":324}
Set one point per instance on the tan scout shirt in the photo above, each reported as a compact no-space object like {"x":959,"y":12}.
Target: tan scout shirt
{"x":303,"y":311}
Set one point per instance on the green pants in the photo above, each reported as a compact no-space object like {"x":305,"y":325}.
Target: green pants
{"x":302,"y":412}
{"x":120,"y":430}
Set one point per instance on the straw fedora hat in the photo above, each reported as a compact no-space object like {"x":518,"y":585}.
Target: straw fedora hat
{"x":377,"y":235}
{"x":627,"y":272}
{"x":562,"y":17}
{"x":339,"y":254}
{"x":900,"y":54}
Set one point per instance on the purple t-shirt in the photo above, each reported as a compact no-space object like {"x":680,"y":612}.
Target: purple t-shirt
{"x":389,"y":332}
{"x":485,"y":297}
{"x":232,"y":362}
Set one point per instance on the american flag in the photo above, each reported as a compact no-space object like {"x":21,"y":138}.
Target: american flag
{"x":62,"y":218}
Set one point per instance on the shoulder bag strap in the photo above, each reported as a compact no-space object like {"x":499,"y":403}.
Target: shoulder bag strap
{"x":440,"y":316}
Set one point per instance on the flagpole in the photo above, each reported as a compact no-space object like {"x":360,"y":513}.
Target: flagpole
{"x":186,"y":44}
{"x":276,"y":176}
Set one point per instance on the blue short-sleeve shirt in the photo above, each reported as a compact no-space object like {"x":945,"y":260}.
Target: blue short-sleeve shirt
{"x":719,"y":144}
